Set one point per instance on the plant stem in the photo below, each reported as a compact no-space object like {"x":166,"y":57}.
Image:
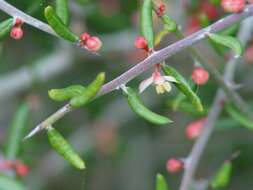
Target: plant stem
{"x":170,"y":50}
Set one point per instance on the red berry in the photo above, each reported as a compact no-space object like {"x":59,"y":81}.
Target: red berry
{"x":200,"y":76}
{"x":193,"y":25}
{"x":21,"y":169}
{"x":93,"y":44}
{"x":141,"y":43}
{"x":210,"y":10}
{"x":233,"y":6}
{"x":174,"y":165}
{"x":16,"y":33}
{"x":84,"y":36}
{"x":194,"y":129}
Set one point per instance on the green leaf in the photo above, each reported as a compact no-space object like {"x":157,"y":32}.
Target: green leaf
{"x":161,"y":183}
{"x":89,"y":93}
{"x":222,"y":177}
{"x":58,"y":26}
{"x":147,"y":22}
{"x":139,"y":108}
{"x":18,"y":126}
{"x":66,"y":93}
{"x":5,"y":27}
{"x":58,"y":142}
{"x":62,"y":10}
{"x":7,"y":183}
{"x":184,"y":87}
{"x":228,"y":41}
{"x":169,"y":24}
{"x":238,"y":116}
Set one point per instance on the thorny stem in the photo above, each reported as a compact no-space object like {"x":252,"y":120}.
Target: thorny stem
{"x":199,"y":146}
{"x":156,"y":57}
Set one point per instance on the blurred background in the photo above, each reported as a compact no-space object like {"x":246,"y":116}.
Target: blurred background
{"x":121,"y":150}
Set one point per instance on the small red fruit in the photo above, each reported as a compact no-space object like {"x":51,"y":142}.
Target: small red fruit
{"x":141,"y":43}
{"x":200,"y":76}
{"x":21,"y":169}
{"x":84,"y":37}
{"x":174,"y":165}
{"x":192,"y":25}
{"x":210,"y":10}
{"x":194,"y":129}
{"x":16,"y":33}
{"x":233,"y":6}
{"x":93,"y":44}
{"x":160,"y":10}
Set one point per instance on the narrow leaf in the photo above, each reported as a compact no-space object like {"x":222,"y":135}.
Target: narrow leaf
{"x":184,"y":87}
{"x":222,"y":177}
{"x":161,"y":183}
{"x":58,"y":142}
{"x":142,"y":111}
{"x":89,"y":93}
{"x":5,"y":27}
{"x":62,"y":10}
{"x":238,"y":116}
{"x":16,"y":131}
{"x":66,"y":93}
{"x":58,"y":26}
{"x":228,"y":41}
{"x":169,"y":24}
{"x":147,"y":22}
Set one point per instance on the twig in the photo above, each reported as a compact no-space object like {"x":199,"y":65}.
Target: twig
{"x":166,"y":52}
{"x":214,"y":113}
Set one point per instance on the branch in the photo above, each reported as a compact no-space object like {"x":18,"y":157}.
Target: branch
{"x":198,"y":148}
{"x":159,"y":56}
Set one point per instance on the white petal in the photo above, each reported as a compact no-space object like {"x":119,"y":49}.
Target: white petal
{"x":167,"y":86}
{"x":144,"y":84}
{"x":170,"y":79}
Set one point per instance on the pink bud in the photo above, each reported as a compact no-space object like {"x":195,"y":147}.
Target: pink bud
{"x":233,"y":6}
{"x":194,"y":129}
{"x":141,"y":43}
{"x":16,"y":33}
{"x":18,"y":22}
{"x":200,"y":76}
{"x":21,"y":169}
{"x":174,"y":165}
{"x":93,"y":44}
{"x":160,"y":10}
{"x":84,"y":36}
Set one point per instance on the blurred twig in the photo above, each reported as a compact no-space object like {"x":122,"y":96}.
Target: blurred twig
{"x":160,"y":56}
{"x":198,"y":148}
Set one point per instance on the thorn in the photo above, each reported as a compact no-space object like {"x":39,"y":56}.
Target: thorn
{"x":32,"y":133}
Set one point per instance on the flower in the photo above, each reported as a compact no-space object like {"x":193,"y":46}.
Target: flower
{"x":161,"y":82}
